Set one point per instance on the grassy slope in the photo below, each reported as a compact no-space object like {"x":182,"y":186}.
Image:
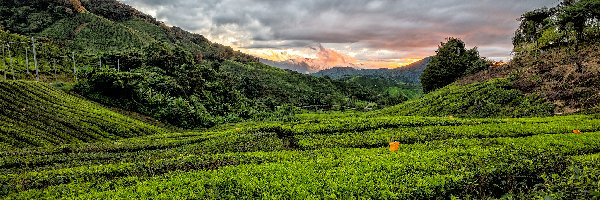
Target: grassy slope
{"x":35,"y":114}
{"x":492,"y":98}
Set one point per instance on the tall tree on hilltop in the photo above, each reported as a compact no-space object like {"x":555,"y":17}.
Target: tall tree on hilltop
{"x":452,"y":61}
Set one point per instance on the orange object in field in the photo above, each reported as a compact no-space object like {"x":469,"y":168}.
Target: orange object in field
{"x":394,"y":146}
{"x":577,"y":131}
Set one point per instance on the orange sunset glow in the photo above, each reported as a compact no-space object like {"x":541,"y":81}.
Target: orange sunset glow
{"x":326,"y":58}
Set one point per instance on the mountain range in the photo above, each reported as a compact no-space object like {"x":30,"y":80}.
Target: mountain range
{"x":407,"y":74}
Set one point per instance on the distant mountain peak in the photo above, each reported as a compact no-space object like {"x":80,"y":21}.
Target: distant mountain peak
{"x":408,"y":74}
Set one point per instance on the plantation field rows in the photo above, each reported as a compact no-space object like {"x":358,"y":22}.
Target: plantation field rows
{"x":323,"y":156}
{"x":36,"y":114}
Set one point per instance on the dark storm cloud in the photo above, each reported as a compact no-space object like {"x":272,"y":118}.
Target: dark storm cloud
{"x":378,"y":24}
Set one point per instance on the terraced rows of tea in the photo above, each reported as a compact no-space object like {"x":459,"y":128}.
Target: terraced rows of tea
{"x":323,"y":156}
{"x":36,"y":114}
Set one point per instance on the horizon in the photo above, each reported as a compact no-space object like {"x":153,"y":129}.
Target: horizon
{"x":384,"y":33}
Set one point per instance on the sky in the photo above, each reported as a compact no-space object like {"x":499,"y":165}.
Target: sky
{"x":360,"y":33}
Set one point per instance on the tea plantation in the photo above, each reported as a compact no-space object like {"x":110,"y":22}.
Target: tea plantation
{"x":36,"y":114}
{"x":98,"y":154}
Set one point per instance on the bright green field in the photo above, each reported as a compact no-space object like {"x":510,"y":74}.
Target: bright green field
{"x":324,"y":156}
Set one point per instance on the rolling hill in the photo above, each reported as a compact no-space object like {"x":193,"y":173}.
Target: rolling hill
{"x":35,"y":114}
{"x":491,"y":98}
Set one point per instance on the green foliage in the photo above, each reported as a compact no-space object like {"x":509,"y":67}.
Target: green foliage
{"x":465,"y":158}
{"x":533,"y":24}
{"x":549,"y":38}
{"x":194,"y":83}
{"x":579,"y":181}
{"x":28,"y":17}
{"x":35,"y":114}
{"x":387,"y":92}
{"x":89,"y":33}
{"x":451,"y":62}
{"x":570,"y":22}
{"x":203,"y":95}
{"x":51,"y":58}
{"x":179,"y":77}
{"x":494,"y":98}
{"x":150,"y":92}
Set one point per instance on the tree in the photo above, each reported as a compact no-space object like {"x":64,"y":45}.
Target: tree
{"x":451,"y":62}
{"x":533,"y":24}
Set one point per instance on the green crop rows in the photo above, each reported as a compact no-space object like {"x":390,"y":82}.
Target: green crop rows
{"x":35,"y":114}
{"x":315,"y":156}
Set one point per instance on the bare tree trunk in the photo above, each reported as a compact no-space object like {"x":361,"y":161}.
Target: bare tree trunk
{"x":37,"y":71}
{"x":27,"y":59}
{"x":578,"y":67}
{"x":74,"y":66}
{"x":4,"y":60}
{"x":12,"y":69}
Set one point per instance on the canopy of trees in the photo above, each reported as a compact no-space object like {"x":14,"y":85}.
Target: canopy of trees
{"x":452,"y":61}
{"x":571,"y":22}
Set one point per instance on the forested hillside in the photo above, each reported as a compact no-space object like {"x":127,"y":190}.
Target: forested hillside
{"x":127,"y":59}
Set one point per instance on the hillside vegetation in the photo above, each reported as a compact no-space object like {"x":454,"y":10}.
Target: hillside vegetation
{"x":555,"y":70}
{"x":348,"y":155}
{"x":492,"y":98}
{"x":52,"y":59}
{"x":35,"y":114}
{"x":556,"y":56}
{"x":127,"y":59}
{"x":552,"y":74}
{"x":55,"y":145}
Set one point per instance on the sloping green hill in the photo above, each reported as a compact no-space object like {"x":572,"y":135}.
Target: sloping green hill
{"x":36,"y":114}
{"x":492,"y":98}
{"x":90,"y":33}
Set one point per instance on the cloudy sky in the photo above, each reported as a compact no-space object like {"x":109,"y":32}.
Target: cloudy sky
{"x":368,"y":33}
